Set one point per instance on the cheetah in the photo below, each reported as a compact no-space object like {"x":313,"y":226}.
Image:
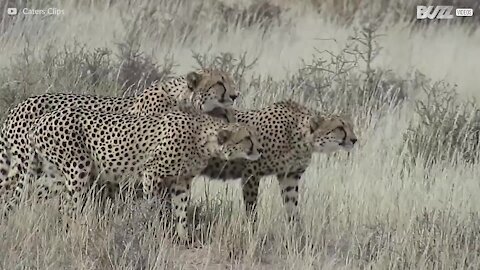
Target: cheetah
{"x":205,"y":89}
{"x":167,"y":150}
{"x":289,"y":134}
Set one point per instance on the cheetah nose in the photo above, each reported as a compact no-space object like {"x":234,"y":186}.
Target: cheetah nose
{"x":354,"y":141}
{"x":233,"y":97}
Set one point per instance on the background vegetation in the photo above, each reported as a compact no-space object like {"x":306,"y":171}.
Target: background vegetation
{"x":406,"y":198}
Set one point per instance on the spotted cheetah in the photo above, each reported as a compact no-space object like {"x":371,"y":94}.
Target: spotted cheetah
{"x":166,"y":149}
{"x":206,"y":89}
{"x":289,"y":134}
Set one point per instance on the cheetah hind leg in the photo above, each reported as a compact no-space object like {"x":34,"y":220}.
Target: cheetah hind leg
{"x":50,"y":185}
{"x":5,"y":186}
{"x":17,"y":160}
{"x":30,"y":175}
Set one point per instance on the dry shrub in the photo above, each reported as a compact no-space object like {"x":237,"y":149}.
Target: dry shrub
{"x":78,"y":69}
{"x":136,"y":70}
{"x":448,"y":128}
{"x":348,"y":80}
{"x":69,"y":69}
{"x":261,"y":14}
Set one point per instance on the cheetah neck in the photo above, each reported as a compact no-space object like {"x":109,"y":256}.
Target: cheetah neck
{"x":302,"y":148}
{"x":302,"y":151}
{"x":179,"y":90}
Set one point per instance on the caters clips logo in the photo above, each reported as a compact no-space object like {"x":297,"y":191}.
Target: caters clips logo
{"x":442,"y":12}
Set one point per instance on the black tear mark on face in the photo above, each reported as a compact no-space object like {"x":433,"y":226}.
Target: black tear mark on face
{"x":344,"y":139}
{"x":250,"y":149}
{"x":344,"y":133}
{"x":222,"y":99}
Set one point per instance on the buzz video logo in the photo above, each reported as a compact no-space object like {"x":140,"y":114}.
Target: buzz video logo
{"x":442,"y":12}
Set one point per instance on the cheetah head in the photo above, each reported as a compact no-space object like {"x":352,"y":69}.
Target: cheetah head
{"x":211,"y":89}
{"x":329,"y":134}
{"x":238,"y":141}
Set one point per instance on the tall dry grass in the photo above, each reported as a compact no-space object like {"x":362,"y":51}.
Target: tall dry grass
{"x":406,"y":198}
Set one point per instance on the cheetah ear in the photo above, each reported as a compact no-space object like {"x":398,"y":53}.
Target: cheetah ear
{"x":224,"y":135}
{"x":315,"y":122}
{"x":193,"y":80}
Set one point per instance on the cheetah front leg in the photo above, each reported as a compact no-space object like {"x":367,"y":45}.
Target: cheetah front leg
{"x":250,"y":188}
{"x":180,"y":192}
{"x":289,"y":188}
{"x":155,"y":188}
{"x":77,"y":183}
{"x":52,"y":184}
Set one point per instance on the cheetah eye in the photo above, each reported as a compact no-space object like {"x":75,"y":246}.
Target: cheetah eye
{"x":340,"y":128}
